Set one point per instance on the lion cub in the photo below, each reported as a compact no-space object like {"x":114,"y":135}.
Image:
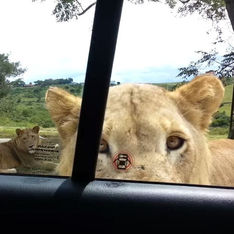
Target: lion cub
{"x":152,"y":134}
{"x":20,"y":150}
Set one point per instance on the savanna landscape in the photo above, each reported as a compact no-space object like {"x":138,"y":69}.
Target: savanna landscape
{"x":24,"y":107}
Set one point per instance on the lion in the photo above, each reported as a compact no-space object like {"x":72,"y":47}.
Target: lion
{"x":19,"y":151}
{"x":152,"y":134}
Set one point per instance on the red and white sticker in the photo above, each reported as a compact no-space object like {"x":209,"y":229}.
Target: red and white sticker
{"x":122,"y":161}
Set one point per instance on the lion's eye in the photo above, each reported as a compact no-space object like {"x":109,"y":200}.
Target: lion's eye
{"x":103,"y":148}
{"x":174,"y":142}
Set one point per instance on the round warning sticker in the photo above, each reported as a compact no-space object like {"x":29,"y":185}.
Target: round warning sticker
{"x":122,"y":161}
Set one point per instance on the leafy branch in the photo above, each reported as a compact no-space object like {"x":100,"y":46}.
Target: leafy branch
{"x":223,"y":65}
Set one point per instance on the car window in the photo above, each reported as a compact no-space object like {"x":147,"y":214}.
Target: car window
{"x":167,"y":116}
{"x":160,"y":119}
{"x":37,"y":52}
{"x":161,"y":123}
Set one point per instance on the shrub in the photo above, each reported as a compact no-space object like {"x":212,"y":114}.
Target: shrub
{"x":220,"y":120}
{"x":47,"y":123}
{"x":26,"y":113}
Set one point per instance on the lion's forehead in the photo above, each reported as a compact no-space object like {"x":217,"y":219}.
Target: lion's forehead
{"x":144,"y":108}
{"x":28,"y":133}
{"x":133,"y":96}
{"x":26,"y":137}
{"x":138,"y":101}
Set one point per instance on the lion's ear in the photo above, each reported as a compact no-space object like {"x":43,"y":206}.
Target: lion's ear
{"x":199,"y":99}
{"x":36,"y":129}
{"x":64,"y":109}
{"x":18,"y":131}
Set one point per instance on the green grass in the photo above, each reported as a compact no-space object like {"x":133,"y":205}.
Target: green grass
{"x":227,"y":98}
{"x":9,"y":132}
{"x":25,"y":108}
{"x":228,"y":93}
{"x":167,"y":86}
{"x":219,"y":132}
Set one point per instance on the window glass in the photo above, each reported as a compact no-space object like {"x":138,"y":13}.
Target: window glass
{"x":37,"y":52}
{"x":161,"y":123}
{"x":155,"y":128}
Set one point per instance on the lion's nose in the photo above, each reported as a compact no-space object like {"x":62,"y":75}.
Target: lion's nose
{"x":122,"y":161}
{"x":30,"y":147}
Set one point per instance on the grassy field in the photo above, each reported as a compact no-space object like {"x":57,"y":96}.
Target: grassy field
{"x":167,"y":86}
{"x":9,"y":132}
{"x":25,"y":107}
{"x":217,"y":133}
{"x":222,"y":132}
{"x":227,"y":99}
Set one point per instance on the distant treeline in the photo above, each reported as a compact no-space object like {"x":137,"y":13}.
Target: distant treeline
{"x":49,"y":82}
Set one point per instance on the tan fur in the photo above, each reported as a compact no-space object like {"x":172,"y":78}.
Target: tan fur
{"x":19,"y":151}
{"x":222,"y":170}
{"x":139,"y":119}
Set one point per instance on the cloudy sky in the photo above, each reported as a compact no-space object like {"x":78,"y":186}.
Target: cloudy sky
{"x":152,"y":43}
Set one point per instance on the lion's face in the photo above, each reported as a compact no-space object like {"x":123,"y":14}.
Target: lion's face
{"x":149,"y":133}
{"x":145,"y":137}
{"x":27,"y":140}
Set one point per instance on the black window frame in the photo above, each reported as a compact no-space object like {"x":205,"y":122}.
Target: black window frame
{"x":97,"y":81}
{"x":85,"y":203}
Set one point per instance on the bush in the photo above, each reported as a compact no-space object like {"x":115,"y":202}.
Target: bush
{"x":26,"y":107}
{"x":29,"y":95}
{"x":26,"y":113}
{"x":218,"y":132}
{"x":41,"y":118}
{"x":7,"y":105}
{"x":220,"y":120}
{"x":47,"y":124}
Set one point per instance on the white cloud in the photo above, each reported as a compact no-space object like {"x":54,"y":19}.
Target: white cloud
{"x":150,"y":37}
{"x":45,"y":47}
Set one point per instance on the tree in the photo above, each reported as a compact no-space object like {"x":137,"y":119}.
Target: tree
{"x":222,"y":65}
{"x":212,"y":9}
{"x":8,"y":69}
{"x":48,"y":82}
{"x":215,"y":10}
{"x":66,"y":10}
{"x":37,"y":92}
{"x":17,"y":83}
